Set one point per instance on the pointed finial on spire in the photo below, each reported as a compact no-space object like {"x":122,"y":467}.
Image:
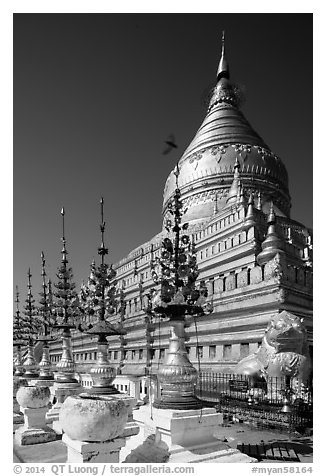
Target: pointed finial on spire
{"x":259,"y":203}
{"x":271,"y":217}
{"x":176,"y":172}
{"x":215,"y":204}
{"x":242,"y":197}
{"x":102,"y":250}
{"x":273,"y":243}
{"x":63,"y":239}
{"x":63,"y":223}
{"x":223,"y":67}
{"x":17,"y":298}
{"x":29,"y":285}
{"x":43,"y":274}
{"x":250,"y":216}
{"x":223,"y":42}
{"x":233,"y":193}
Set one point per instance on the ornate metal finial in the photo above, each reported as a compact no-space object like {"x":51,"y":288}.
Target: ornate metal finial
{"x":43,"y":274}
{"x":273,"y":243}
{"x":223,"y":67}
{"x":17,"y":338}
{"x":29,"y":284}
{"x":215,"y":203}
{"x":242,"y":200}
{"x":250,"y":215}
{"x":271,"y":217}
{"x":63,"y":222}
{"x":44,"y":301}
{"x":233,"y":193}
{"x":102,"y":250}
{"x":63,"y":239}
{"x":17,"y":298}
{"x":176,"y":172}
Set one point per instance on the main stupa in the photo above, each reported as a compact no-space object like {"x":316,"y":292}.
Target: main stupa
{"x":207,"y":165}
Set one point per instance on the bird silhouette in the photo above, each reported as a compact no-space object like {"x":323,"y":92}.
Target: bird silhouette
{"x":170,"y":142}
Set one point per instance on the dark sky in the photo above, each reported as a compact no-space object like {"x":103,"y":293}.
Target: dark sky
{"x":96,"y":95}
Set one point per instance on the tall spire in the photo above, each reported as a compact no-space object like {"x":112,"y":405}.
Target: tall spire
{"x":223,"y":67}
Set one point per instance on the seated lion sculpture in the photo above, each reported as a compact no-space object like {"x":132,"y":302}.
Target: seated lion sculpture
{"x":283,"y":352}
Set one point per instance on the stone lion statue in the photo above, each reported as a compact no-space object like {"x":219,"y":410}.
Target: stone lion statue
{"x":283,"y":352}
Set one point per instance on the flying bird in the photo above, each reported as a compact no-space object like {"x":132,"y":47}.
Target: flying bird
{"x":170,"y":142}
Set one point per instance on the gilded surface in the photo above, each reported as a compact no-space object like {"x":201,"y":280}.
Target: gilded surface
{"x":284,"y":350}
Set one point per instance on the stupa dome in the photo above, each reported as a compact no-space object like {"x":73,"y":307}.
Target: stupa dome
{"x":207,"y":166}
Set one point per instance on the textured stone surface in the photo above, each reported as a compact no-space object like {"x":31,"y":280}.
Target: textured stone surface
{"x":32,"y":436}
{"x":33,"y":396}
{"x":93,"y":452}
{"x":93,"y":418}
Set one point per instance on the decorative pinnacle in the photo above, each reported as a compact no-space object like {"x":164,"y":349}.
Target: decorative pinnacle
{"x":63,"y":223}
{"x":43,"y":268}
{"x":271,"y":217}
{"x":102,"y":250}
{"x":17,"y":299}
{"x":223,"y":43}
{"x":29,"y":285}
{"x":63,"y":239}
{"x":176,"y":172}
{"x":223,"y":67}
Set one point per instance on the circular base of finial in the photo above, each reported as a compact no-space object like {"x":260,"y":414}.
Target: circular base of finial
{"x":30,"y":375}
{"x":46,"y":377}
{"x":19,"y":373}
{"x":186,"y":403}
{"x":97,"y":390}
{"x":65,"y":379}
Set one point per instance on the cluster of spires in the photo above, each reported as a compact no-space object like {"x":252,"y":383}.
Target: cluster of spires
{"x":273,"y":243}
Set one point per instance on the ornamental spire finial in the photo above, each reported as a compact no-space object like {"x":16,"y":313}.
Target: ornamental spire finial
{"x":102,"y":251}
{"x":17,"y":299}
{"x":223,"y":67}
{"x":233,"y":192}
{"x":63,"y":239}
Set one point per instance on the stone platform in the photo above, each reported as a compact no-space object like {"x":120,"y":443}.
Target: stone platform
{"x":235,"y":434}
{"x":176,"y":436}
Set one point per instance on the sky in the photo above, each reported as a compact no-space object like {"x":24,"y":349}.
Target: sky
{"x":96,"y":95}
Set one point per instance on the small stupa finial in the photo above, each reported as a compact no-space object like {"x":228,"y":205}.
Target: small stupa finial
{"x":250,"y":215}
{"x":234,"y":190}
{"x":273,"y":243}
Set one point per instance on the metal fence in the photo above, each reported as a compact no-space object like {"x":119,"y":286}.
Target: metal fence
{"x":274,"y":402}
